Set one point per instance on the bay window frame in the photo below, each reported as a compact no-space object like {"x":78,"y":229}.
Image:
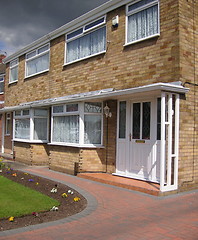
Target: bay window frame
{"x":31,"y":118}
{"x":81,"y":113}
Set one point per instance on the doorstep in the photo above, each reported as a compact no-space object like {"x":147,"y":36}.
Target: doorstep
{"x":128,"y":183}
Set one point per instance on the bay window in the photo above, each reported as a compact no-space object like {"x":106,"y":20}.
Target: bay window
{"x":40,"y":122}
{"x":37,"y":61}
{"x":22,"y":124}
{"x":65,"y":124}
{"x":87,"y":41}
{"x":142,"y":20}
{"x":77,"y":124}
{"x":31,"y":125}
{"x":92,"y":123}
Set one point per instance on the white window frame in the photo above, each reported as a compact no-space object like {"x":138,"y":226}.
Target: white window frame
{"x":63,"y":114}
{"x":2,"y":81}
{"x":81,"y":113}
{"x":84,"y":30}
{"x":7,"y":130}
{"x":13,"y":65}
{"x":142,"y":8}
{"x":35,"y":55}
{"x":31,"y":117}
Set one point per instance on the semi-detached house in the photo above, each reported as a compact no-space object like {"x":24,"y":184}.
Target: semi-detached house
{"x":114,"y":91}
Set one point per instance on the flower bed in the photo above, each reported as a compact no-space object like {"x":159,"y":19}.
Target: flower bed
{"x":71,"y":202}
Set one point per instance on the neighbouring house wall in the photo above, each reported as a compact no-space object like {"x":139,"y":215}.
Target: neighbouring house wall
{"x":188,"y":160}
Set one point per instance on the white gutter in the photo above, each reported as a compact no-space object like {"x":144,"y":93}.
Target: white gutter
{"x":76,"y":23}
{"x":104,"y":94}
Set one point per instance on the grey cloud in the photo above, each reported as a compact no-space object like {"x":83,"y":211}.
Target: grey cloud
{"x":23,"y":21}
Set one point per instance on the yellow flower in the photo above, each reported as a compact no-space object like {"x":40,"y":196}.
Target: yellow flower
{"x":37,"y":183}
{"x":11,"y":219}
{"x":76,"y":199}
{"x":64,"y":195}
{"x":14,"y":174}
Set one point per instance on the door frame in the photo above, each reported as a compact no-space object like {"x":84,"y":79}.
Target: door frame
{"x":123,"y":155}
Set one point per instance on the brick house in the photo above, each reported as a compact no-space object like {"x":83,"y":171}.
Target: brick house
{"x":114,"y":91}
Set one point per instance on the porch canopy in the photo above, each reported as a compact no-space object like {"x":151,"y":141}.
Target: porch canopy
{"x":104,"y":94}
{"x":170,"y":97}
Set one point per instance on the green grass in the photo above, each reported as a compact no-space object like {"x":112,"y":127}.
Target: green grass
{"x":17,"y":200}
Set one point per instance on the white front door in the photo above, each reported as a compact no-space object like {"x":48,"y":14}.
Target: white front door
{"x":138,"y":147}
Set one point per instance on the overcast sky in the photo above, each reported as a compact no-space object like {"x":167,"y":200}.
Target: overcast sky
{"x":23,"y":21}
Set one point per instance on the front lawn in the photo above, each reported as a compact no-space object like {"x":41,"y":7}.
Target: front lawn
{"x":17,"y":200}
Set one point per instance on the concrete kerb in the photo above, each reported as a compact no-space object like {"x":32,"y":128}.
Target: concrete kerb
{"x":91,"y":206}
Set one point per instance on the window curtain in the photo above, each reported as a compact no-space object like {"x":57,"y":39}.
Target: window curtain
{"x":66,"y":129}
{"x":90,"y":44}
{"x":22,"y":128}
{"x":38,"y":64}
{"x":92,"y":129}
{"x":143,"y":24}
{"x":40,"y":128}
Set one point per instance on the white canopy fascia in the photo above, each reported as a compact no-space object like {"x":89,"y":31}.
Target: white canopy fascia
{"x":105,"y":94}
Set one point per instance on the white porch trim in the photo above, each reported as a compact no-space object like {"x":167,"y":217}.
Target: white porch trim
{"x":103,"y":94}
{"x":169,"y":161}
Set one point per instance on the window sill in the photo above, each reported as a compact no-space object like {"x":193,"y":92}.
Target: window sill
{"x":28,"y":141}
{"x":35,"y":74}
{"x":77,"y":145}
{"x":13,"y":82}
{"x":141,"y":40}
{"x":81,"y":59}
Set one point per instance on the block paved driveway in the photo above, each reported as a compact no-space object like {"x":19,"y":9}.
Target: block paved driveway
{"x":114,"y":213}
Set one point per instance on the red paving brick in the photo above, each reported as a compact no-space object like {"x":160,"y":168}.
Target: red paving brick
{"x":120,"y":214}
{"x":128,"y":183}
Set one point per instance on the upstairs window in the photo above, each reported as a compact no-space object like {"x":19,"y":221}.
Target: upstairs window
{"x":37,"y":61}
{"x":13,"y":71}
{"x":87,"y":41}
{"x":1,"y":84}
{"x":142,"y":20}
